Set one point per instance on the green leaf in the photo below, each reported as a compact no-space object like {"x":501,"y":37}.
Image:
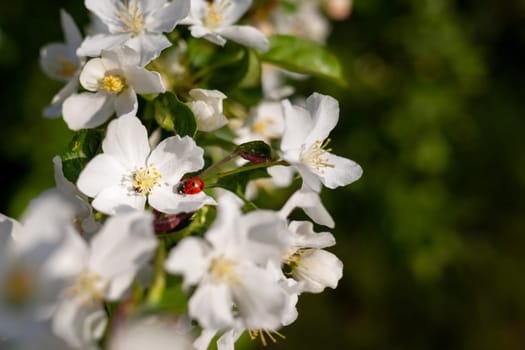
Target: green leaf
{"x":228,"y":69}
{"x":173,"y":115}
{"x":303,"y":56}
{"x":80,"y":150}
{"x":236,"y":183}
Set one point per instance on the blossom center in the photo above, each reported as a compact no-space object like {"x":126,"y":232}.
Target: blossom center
{"x":67,"y":68}
{"x":88,"y":286}
{"x":114,"y":84}
{"x":19,"y":286}
{"x":145,"y":179}
{"x":261,"y":126}
{"x":132,"y":18}
{"x":223,"y":271}
{"x":215,"y":13}
{"x":316,"y":156}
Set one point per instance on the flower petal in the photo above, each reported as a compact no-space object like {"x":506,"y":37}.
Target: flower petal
{"x":103,"y":171}
{"x":126,"y":103}
{"x":148,"y":45}
{"x":87,"y":110}
{"x":166,"y":18}
{"x":166,"y":200}
{"x":310,"y":202}
{"x":343,"y":172}
{"x":118,"y":199}
{"x":58,"y":61}
{"x":306,"y":237}
{"x":211,"y":305}
{"x":318,"y":269}
{"x":92,"y":46}
{"x":176,"y":156}
{"x":127,"y":142}
{"x":71,"y":32}
{"x":92,"y":73}
{"x":144,"y":81}
{"x":245,"y":35}
{"x":325,"y":114}
{"x":297,"y":126}
{"x":190,"y":259}
{"x":55,"y":108}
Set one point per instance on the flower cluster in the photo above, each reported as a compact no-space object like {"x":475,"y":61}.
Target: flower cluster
{"x":153,"y":235}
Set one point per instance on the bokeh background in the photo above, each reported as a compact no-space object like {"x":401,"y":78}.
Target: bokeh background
{"x":433,"y":235}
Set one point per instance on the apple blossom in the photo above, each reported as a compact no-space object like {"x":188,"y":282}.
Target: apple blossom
{"x":60,"y":62}
{"x":128,"y":174}
{"x":304,"y":144}
{"x":138,"y":24}
{"x":113,"y":82}
{"x":214,"y":21}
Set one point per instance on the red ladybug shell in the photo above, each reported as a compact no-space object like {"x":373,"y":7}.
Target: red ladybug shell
{"x":191,"y":185}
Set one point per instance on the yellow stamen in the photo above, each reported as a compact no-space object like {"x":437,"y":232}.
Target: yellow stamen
{"x":316,"y":156}
{"x":260,"y":333}
{"x":131,"y":17}
{"x":223,"y":271}
{"x":215,"y":13}
{"x":88,"y":288}
{"x":19,"y":287}
{"x":145,"y":179}
{"x":114,"y":84}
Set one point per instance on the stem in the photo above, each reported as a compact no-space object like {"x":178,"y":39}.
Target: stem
{"x":159,"y":279}
{"x":247,"y":168}
{"x":218,"y":164}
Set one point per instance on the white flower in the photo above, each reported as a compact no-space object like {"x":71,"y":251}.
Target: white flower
{"x":60,"y":62}
{"x":266,"y":122}
{"x":306,"y":21}
{"x":214,"y":21}
{"x":138,"y":24}
{"x":102,"y":270}
{"x":128,"y":174}
{"x":207,"y":107}
{"x":304,"y":144}
{"x":29,"y":276}
{"x":229,"y":267}
{"x":314,"y":267}
{"x":114,"y":80}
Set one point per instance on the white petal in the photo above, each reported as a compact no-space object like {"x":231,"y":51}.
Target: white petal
{"x":260,"y":299}
{"x":125,"y":56}
{"x":127,"y":141}
{"x":58,"y":61}
{"x":55,"y":109}
{"x":126,"y":103}
{"x":92,"y":46}
{"x":118,"y":199}
{"x":166,"y":18}
{"x":298,"y":124}
{"x":306,"y":237}
{"x":266,"y":237}
{"x":310,"y":202}
{"x":71,"y":32}
{"x":151,"y":5}
{"x":325,"y":114}
{"x":311,"y":177}
{"x":176,"y":156}
{"x":235,"y":11}
{"x":228,"y":338}
{"x":204,"y":339}
{"x":123,"y":245}
{"x":282,"y":176}
{"x":211,"y":305}
{"x":245,"y":35}
{"x":106,"y":10}
{"x":148,"y":45}
{"x":189,"y":259}
{"x":87,"y":110}
{"x":101,"y":172}
{"x":9,"y":229}
{"x":167,"y":200}
{"x":144,"y":81}
{"x":92,"y":73}
{"x":226,"y":228}
{"x":344,"y":172}
{"x":78,"y":324}
{"x":318,"y":269}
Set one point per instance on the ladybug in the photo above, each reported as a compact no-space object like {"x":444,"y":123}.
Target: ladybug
{"x":191,"y":185}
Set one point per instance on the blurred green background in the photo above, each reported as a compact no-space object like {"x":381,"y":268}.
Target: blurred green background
{"x":433,"y":235}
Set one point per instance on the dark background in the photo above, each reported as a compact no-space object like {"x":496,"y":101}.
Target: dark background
{"x":433,"y":235}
